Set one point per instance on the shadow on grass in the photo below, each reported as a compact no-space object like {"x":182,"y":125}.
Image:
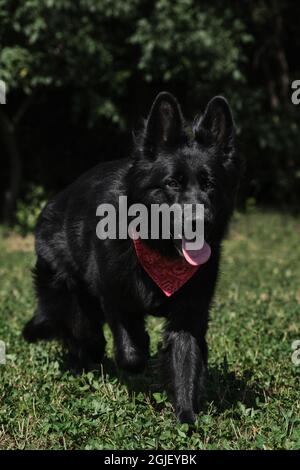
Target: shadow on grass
{"x":225,"y":389}
{"x":222,"y":387}
{"x":145,"y":382}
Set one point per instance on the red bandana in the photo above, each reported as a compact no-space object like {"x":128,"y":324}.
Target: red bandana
{"x":168,"y":274}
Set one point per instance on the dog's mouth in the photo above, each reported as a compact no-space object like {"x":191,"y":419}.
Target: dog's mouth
{"x":189,"y":250}
{"x":195,"y":256}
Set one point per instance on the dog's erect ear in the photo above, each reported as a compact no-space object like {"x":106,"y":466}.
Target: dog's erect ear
{"x":164,"y":124}
{"x":217,"y":122}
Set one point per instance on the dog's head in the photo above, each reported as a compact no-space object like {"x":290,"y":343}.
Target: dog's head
{"x":188,"y":164}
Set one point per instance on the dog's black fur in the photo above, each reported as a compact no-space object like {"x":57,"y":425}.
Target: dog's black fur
{"x":82,"y":282}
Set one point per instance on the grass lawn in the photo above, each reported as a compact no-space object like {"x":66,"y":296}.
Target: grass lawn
{"x":252,"y":399}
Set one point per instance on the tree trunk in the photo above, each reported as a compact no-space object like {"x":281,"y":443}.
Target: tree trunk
{"x":8,"y":130}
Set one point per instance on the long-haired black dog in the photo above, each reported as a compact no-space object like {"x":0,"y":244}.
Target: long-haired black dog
{"x":82,"y":282}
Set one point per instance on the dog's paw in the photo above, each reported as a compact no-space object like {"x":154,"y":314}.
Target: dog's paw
{"x":186,"y":416}
{"x":133,"y":361}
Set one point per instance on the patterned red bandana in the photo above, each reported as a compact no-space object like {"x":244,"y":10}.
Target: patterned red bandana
{"x":168,"y":274}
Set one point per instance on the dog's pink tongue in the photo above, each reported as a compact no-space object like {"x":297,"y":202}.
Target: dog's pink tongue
{"x":196,"y":257}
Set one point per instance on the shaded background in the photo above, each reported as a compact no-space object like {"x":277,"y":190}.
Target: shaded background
{"x":81,"y":74}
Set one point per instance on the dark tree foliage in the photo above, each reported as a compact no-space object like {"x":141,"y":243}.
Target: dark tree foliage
{"x":80,"y":73}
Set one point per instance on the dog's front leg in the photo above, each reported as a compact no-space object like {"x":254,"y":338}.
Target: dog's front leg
{"x":185,"y":357}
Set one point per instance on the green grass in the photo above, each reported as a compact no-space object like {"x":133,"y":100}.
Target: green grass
{"x":252,"y":398}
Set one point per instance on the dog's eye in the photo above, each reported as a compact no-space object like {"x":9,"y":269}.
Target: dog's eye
{"x":173,"y":183}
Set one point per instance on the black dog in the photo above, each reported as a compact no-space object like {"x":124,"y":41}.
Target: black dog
{"x":82,"y":282}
